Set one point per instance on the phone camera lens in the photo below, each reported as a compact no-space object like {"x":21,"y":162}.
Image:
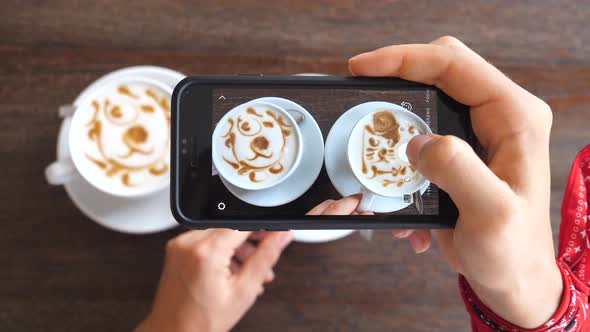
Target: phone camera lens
{"x":184,"y":151}
{"x":184,"y":141}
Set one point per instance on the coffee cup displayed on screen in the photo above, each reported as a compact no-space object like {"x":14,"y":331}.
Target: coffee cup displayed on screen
{"x":256,"y":145}
{"x":377,"y":154}
{"x":119,"y":139}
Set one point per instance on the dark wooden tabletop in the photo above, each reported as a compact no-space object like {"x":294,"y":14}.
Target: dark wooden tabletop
{"x":59,"y":271}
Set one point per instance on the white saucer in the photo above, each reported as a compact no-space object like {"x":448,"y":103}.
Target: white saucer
{"x":305,"y":174}
{"x":144,"y":215}
{"x":320,"y":235}
{"x":338,"y":167}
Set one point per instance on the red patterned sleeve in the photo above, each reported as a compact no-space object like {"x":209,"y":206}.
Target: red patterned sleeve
{"x":572,"y":315}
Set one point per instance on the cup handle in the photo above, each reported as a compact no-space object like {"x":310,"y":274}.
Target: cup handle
{"x":366,"y":200}
{"x":418,"y":202}
{"x":60,"y":172}
{"x":297,"y":116}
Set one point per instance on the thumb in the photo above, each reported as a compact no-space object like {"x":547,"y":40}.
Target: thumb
{"x":453,"y":166}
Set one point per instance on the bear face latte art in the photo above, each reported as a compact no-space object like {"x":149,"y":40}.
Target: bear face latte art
{"x":123,"y":142}
{"x":256,"y":146}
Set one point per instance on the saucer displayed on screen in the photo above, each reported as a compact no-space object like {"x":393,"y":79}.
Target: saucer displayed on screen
{"x":142,"y":215}
{"x":319,"y":235}
{"x":337,"y":164}
{"x":305,"y":174}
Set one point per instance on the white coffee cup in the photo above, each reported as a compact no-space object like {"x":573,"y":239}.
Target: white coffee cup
{"x":242,"y":162}
{"x":376,"y":175}
{"x":143,"y":114}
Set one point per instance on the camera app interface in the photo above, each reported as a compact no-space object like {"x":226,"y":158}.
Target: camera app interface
{"x":282,"y":152}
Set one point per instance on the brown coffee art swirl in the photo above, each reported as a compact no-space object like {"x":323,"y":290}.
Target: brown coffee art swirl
{"x":379,"y":157}
{"x":135,"y":134}
{"x":265,"y":151}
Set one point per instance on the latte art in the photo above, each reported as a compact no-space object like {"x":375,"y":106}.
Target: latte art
{"x":382,"y":138}
{"x":258,"y":144}
{"x":127,"y":137}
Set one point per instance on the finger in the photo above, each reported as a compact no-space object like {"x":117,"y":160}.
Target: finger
{"x":366,"y":213}
{"x":452,"y":42}
{"x":244,"y":251}
{"x":343,"y":207}
{"x":257,"y":267}
{"x":319,"y":209}
{"x":270,"y":276}
{"x":463,"y":75}
{"x":191,"y":237}
{"x":227,"y":239}
{"x":257,"y":236}
{"x":242,"y":255}
{"x":451,"y":164}
{"x":234,"y":267}
{"x":401,"y":233}
{"x":420,"y":240}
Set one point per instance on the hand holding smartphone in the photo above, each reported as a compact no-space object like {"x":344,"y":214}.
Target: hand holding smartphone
{"x":259,"y":152}
{"x":503,"y":236}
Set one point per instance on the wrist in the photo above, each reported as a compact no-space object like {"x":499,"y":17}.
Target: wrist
{"x":156,"y":323}
{"x":527,"y":301}
{"x":147,"y":325}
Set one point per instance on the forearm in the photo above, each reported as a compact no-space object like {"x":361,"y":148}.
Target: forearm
{"x":569,"y":315}
{"x":528,"y":302}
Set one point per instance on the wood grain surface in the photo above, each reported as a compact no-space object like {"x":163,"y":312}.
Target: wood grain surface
{"x":59,"y":271}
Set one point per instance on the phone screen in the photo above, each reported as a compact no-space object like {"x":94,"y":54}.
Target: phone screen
{"x":267,"y":164}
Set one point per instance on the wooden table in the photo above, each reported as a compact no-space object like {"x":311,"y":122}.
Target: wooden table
{"x":61,"y":272}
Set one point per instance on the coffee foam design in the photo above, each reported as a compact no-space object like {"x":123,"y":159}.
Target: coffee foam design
{"x":383,"y":135}
{"x":128,"y":136}
{"x":258,"y":143}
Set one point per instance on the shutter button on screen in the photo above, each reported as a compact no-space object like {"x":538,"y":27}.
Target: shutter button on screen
{"x":221,"y":206}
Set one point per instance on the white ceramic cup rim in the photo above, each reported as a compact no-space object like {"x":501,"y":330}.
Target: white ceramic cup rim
{"x":395,"y":109}
{"x":74,"y":133}
{"x":216,"y":157}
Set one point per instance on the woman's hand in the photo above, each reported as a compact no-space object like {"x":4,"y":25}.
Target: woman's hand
{"x":211,"y":278}
{"x":342,"y":207}
{"x":502,"y":242}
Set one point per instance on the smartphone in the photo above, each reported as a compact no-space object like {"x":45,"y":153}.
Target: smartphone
{"x":255,"y":152}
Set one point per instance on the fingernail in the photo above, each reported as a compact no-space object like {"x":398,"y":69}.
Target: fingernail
{"x":284,"y":238}
{"x":415,"y":146}
{"x":419,"y":244}
{"x":402,"y":234}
